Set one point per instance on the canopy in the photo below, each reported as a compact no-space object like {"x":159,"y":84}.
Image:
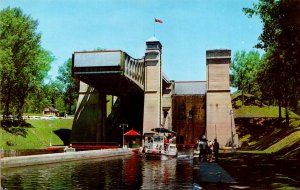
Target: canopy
{"x":163,"y":130}
{"x":132,"y":133}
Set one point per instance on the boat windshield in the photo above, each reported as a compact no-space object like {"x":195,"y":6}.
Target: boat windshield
{"x":158,"y":139}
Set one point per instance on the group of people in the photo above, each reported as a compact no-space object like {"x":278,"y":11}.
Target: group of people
{"x":207,"y":149}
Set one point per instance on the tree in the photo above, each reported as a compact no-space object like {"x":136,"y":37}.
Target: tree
{"x":24,"y":63}
{"x":71,"y":85}
{"x":244,"y":70}
{"x":44,"y":95}
{"x":54,"y":90}
{"x":36,"y":101}
{"x":281,"y":40}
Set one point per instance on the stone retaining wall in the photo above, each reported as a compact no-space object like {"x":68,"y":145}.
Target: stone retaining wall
{"x":19,"y":161}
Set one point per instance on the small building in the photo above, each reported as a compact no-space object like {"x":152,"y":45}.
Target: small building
{"x":132,"y":139}
{"x":50,"y":111}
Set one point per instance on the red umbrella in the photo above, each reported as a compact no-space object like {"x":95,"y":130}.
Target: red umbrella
{"x":132,"y":133}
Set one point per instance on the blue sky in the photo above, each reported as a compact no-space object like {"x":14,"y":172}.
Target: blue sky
{"x":190,"y":27}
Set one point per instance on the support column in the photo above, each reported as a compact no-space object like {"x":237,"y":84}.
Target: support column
{"x":219,"y":117}
{"x":90,"y":116}
{"x":153,"y":86}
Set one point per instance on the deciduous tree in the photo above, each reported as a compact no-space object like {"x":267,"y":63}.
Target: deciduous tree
{"x":281,"y":40}
{"x":244,"y":70}
{"x":24,"y":63}
{"x":70,"y":85}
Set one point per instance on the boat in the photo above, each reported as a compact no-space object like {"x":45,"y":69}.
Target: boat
{"x":161,"y":144}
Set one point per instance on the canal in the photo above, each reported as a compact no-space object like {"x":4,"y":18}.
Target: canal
{"x":126,"y":172}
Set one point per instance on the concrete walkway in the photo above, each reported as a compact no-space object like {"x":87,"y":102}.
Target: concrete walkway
{"x":19,"y":161}
{"x":208,"y":172}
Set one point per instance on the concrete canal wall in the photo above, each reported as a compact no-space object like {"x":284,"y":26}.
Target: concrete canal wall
{"x":8,"y":162}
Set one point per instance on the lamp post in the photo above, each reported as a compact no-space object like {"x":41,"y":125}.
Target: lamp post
{"x":50,"y":135}
{"x":215,"y":131}
{"x":122,"y":126}
{"x":231,"y":116}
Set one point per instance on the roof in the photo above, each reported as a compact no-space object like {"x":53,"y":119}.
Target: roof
{"x":50,"y":109}
{"x":132,"y":133}
{"x":152,"y":39}
{"x":190,"y":88}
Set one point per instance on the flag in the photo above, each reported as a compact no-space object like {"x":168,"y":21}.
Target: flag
{"x":158,"y":20}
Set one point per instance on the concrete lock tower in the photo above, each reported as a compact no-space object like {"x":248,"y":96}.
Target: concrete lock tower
{"x":219,"y":114}
{"x":153,"y":85}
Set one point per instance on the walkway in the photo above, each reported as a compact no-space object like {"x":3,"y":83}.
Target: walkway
{"x":208,"y":172}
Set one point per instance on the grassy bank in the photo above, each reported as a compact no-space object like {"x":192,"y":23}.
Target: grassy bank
{"x":260,"y":129}
{"x":36,"y":134}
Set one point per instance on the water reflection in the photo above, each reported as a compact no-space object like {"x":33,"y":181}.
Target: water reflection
{"x":128,"y":172}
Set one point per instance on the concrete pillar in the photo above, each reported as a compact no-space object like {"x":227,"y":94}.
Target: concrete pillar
{"x":153,"y":85}
{"x":166,"y":102}
{"x":219,"y":117}
{"x":90,"y":116}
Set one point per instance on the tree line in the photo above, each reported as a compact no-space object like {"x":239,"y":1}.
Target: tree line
{"x":274,"y":76}
{"x":24,"y":67}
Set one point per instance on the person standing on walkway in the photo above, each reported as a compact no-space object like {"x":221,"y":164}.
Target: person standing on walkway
{"x":216,"y":147}
{"x":209,"y":150}
{"x":203,"y":149}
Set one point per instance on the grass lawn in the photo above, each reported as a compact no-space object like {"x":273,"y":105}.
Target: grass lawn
{"x":261,"y":112}
{"x":270,"y":157}
{"x":37,"y":135}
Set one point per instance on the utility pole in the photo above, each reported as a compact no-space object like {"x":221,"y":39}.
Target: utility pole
{"x":231,"y":117}
{"x":50,"y":135}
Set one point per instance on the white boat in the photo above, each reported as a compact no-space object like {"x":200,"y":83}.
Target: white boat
{"x":159,"y":145}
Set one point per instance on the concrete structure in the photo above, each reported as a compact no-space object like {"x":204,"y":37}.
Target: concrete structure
{"x":219,"y":113}
{"x":153,"y":86}
{"x":189,"y":110}
{"x":144,"y":98}
{"x":19,"y":161}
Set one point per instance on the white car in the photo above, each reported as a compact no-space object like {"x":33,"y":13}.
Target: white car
{"x":49,"y":117}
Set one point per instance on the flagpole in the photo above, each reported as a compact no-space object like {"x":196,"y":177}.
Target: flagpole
{"x":154,"y":28}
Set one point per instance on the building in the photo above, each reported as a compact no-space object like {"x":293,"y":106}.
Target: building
{"x":189,"y":115}
{"x":50,"y":111}
{"x":147,"y":99}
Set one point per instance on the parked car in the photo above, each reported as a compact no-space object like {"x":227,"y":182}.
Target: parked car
{"x":49,"y":117}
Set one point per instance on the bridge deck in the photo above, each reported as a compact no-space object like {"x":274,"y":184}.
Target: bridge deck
{"x":111,"y":72}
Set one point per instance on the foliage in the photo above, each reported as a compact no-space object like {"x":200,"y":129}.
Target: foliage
{"x":24,"y":63}
{"x":244,"y":69}
{"x":279,"y":76}
{"x":71,"y":85}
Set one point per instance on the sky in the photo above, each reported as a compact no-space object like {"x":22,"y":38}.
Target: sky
{"x":189,"y":28}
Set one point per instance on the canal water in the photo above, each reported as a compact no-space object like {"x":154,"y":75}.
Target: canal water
{"x":126,"y":172}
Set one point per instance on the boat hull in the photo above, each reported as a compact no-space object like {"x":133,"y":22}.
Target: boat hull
{"x":157,"y":154}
